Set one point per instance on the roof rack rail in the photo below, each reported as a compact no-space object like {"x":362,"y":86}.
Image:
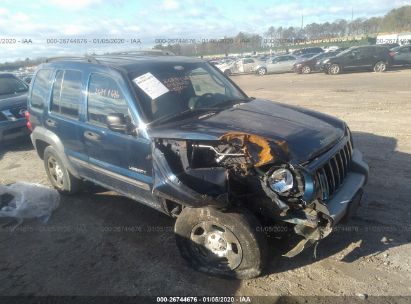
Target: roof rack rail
{"x":90,"y":59}
{"x":143,"y":52}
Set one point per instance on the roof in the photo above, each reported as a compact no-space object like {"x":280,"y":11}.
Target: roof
{"x":129,"y":62}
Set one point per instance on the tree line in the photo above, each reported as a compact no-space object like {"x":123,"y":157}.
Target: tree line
{"x":396,"y":20}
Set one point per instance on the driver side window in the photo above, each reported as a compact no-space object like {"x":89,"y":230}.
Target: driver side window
{"x":104,"y":98}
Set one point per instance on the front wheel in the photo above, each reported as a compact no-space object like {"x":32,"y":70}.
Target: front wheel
{"x":224,"y":244}
{"x":306,"y":70}
{"x":380,"y":66}
{"x":334,"y":69}
{"x":227,"y":72}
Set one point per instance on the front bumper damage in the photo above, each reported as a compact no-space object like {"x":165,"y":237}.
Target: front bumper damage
{"x":234,"y":171}
{"x":340,"y":207}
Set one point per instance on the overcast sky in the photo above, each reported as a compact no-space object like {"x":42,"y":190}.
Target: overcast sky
{"x":147,"y":20}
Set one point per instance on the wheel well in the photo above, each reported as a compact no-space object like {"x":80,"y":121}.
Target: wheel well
{"x":40,"y":147}
{"x":172,"y":208}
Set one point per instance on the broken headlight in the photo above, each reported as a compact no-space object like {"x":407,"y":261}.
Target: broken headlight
{"x":281,"y":180}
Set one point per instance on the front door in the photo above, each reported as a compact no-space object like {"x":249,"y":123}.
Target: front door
{"x":120,"y":161}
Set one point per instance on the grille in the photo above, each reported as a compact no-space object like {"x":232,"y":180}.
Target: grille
{"x":2,"y":117}
{"x":331,"y":175}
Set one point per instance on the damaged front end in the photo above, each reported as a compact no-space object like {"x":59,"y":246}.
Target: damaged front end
{"x":246,"y":170}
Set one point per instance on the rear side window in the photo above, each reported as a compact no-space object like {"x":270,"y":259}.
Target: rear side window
{"x":40,"y":88}
{"x":66,"y":96}
{"x":104,"y":98}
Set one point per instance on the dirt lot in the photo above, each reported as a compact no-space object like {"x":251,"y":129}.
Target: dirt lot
{"x":82,"y":250}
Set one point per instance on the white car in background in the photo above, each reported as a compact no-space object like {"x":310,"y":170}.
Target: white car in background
{"x":278,"y":64}
{"x":239,"y":66}
{"x":330,"y":48}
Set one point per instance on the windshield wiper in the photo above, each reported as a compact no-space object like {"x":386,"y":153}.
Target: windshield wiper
{"x":179,"y":114}
{"x":231,"y":102}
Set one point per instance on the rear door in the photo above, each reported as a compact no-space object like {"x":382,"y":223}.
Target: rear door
{"x":118,"y":160}
{"x":248,"y":65}
{"x":403,"y":55}
{"x":64,"y":109}
{"x":363,"y":58}
{"x":272,"y":65}
{"x":288,"y":65}
{"x":285,"y":64}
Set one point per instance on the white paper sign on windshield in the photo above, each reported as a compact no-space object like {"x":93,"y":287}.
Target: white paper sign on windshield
{"x":150,"y":85}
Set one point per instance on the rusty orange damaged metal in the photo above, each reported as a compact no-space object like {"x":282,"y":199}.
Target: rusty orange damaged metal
{"x":265,"y":155}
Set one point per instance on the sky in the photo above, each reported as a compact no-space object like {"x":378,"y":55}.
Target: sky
{"x":27,"y":28}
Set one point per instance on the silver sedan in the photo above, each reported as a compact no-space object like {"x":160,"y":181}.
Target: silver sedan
{"x":279,"y":64}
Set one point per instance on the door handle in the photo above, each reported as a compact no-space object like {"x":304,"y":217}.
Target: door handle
{"x":92,"y":136}
{"x":51,"y":122}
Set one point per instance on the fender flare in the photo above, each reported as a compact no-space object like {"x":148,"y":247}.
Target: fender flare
{"x":45,"y":135}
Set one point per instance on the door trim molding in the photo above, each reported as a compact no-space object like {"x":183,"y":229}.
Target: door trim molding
{"x":111,"y":174}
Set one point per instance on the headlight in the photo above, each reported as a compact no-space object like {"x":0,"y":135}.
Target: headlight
{"x":281,"y":181}
{"x":298,"y":65}
{"x":326,"y":60}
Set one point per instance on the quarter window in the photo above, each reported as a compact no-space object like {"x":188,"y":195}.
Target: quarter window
{"x":104,"y":98}
{"x":40,"y":88}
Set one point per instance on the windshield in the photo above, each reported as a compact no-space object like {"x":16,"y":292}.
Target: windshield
{"x":170,"y":89}
{"x":9,"y":84}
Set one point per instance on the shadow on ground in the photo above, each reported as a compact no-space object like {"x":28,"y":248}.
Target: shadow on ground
{"x":21,"y":144}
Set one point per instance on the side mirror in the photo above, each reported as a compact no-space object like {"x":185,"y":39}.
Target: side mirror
{"x":117,"y":122}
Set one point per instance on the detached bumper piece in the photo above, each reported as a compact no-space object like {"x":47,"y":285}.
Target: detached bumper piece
{"x":341,"y":206}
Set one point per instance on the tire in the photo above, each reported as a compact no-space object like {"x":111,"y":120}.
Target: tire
{"x":334,"y":69}
{"x":223,"y":244}
{"x":380,"y":67}
{"x":227,"y":72}
{"x":58,"y":175}
{"x":306,"y":70}
{"x":261,"y":71}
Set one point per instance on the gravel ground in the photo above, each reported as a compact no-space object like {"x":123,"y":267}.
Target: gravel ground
{"x":105,"y":244}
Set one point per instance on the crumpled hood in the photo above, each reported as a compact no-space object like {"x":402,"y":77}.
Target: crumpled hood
{"x":13,"y":101}
{"x":307,"y":133}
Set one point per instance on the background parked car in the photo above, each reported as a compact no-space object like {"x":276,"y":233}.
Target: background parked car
{"x":309,"y":65}
{"x":240,"y":66}
{"x":389,"y":45}
{"x":370,"y":57}
{"x":331,"y":48}
{"x":402,"y":55}
{"x":310,"y":50}
{"x":13,"y":105}
{"x":306,"y":56}
{"x":279,"y":64}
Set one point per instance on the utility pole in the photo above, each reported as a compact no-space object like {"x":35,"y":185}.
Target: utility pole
{"x":302,"y":21}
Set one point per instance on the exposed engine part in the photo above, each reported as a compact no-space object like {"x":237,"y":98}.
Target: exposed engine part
{"x":221,"y":155}
{"x":259,"y":150}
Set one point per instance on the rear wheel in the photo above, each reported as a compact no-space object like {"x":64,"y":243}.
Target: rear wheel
{"x":306,"y":70}
{"x":334,"y":69}
{"x":380,"y":66}
{"x":58,"y":175}
{"x":261,"y":71}
{"x":225,"y":244}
